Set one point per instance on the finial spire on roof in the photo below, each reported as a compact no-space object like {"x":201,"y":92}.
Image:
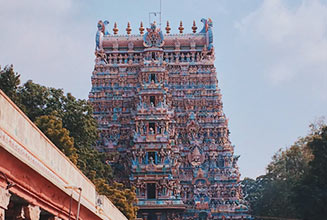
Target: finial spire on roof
{"x":128,"y":29}
{"x":141,"y":28}
{"x":115,"y":29}
{"x":194,"y":27}
{"x":181,"y":28}
{"x":168,"y":28}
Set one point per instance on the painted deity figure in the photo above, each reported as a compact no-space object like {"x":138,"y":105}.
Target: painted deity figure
{"x":102,"y":31}
{"x":106,"y":28}
{"x":162,"y":154}
{"x":99,"y":36}
{"x":142,"y":128}
{"x":196,"y":158}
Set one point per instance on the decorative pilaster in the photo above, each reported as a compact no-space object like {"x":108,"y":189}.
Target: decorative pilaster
{"x":4,"y":202}
{"x":2,"y":214}
{"x":32,"y":212}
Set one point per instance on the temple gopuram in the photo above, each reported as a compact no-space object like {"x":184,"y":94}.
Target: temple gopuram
{"x":157,"y":101}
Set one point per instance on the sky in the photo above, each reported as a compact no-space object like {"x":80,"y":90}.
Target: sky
{"x":271,"y":57}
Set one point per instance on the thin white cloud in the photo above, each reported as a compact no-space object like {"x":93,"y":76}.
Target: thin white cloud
{"x":293,"y":39}
{"x":46,"y":43}
{"x":35,"y":6}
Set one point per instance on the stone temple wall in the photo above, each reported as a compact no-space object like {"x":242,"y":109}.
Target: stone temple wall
{"x":159,"y":108}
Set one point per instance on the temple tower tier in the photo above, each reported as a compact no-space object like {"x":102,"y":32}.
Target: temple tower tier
{"x":159,"y":109}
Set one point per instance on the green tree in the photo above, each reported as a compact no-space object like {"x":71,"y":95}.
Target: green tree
{"x":93,"y":163}
{"x":77,"y":116}
{"x":311,"y":192}
{"x":272,"y":194}
{"x":68,"y":122}
{"x":122,"y":197}
{"x":9,"y":82}
{"x":33,"y":99}
{"x":252,"y":192}
{"x":51,"y":126}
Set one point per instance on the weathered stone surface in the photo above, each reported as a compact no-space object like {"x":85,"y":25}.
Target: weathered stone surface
{"x":2,"y":214}
{"x":4,"y":198}
{"x":32,"y":212}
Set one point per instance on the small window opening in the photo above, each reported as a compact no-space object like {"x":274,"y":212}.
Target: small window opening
{"x":152,"y":157}
{"x":221,"y":162}
{"x":152,"y":217}
{"x":153,"y":55}
{"x":153,"y":100}
{"x":152,"y":127}
{"x":151,"y":190}
{"x":153,"y":77}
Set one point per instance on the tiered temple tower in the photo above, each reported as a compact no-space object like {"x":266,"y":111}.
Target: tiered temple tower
{"x":159,"y":109}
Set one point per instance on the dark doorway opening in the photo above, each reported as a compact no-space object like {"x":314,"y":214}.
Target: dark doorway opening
{"x":153,"y":155}
{"x":203,"y":216}
{"x":152,"y":217}
{"x":153,"y":100}
{"x":152,"y":127}
{"x":151,"y":190}
{"x":153,"y":77}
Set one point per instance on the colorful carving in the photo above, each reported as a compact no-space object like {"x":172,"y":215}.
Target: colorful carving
{"x":106,"y":28}
{"x":194,"y":27}
{"x":153,"y":37}
{"x":141,"y":28}
{"x":159,"y":107}
{"x":102,"y":31}
{"x":99,"y":36}
{"x":207,"y":29}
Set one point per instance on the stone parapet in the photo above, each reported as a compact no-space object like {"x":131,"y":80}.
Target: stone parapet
{"x":23,"y":140}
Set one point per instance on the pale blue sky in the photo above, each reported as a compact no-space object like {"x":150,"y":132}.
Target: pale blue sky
{"x":271,"y":57}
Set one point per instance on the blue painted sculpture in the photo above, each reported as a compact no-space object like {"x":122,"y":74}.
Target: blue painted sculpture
{"x":207,"y":29}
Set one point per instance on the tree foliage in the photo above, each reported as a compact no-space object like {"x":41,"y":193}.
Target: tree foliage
{"x":51,"y":126}
{"x":77,"y":117}
{"x":311,"y":192}
{"x":296,"y":180}
{"x":93,"y":163}
{"x":33,"y":100}
{"x":122,"y":197}
{"x":9,"y":82}
{"x":68,"y":122}
{"x":76,"y":114}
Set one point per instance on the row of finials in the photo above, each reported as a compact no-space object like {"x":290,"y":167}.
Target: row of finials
{"x":141,"y":29}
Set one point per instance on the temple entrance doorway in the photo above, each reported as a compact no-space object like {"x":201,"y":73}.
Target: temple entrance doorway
{"x":203,"y":216}
{"x":152,"y":217}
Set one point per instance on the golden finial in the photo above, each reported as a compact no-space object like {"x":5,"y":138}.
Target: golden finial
{"x":168,"y":28}
{"x":141,"y":28}
{"x":115,"y":29}
{"x":194,"y":27}
{"x":128,"y":29}
{"x":181,"y":27}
